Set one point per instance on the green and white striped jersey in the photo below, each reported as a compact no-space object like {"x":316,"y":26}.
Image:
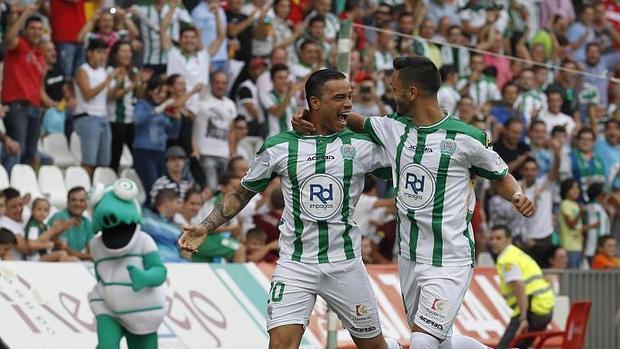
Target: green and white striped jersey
{"x":322,"y":179}
{"x":431,"y":168}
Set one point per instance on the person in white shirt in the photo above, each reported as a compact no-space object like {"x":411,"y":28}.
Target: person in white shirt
{"x":539,"y":227}
{"x":190,"y":59}
{"x":309,"y":60}
{"x":91,"y":114}
{"x":247,"y":99}
{"x":531,"y":102}
{"x":204,"y":18}
{"x":214,"y":116}
{"x":481,"y":88}
{"x":263,"y":83}
{"x":447,"y":95}
{"x":553,"y":116}
{"x":188,"y":214}
{"x":280,"y":104}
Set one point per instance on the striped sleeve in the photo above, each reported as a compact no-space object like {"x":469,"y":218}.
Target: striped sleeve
{"x":260,"y":173}
{"x":378,"y":128}
{"x":485,"y":162}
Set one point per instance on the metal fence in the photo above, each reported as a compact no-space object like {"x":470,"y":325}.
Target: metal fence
{"x":603,"y":289}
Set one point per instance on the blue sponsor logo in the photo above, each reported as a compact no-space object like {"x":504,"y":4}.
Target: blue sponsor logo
{"x":415,"y":183}
{"x":323,"y":194}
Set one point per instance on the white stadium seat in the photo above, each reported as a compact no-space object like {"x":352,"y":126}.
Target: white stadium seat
{"x":57,"y":147}
{"x":77,"y":176}
{"x":130,"y":173}
{"x":76,"y":148}
{"x":24,"y":179}
{"x":104,"y":175}
{"x":4,"y":178}
{"x":52,"y":185}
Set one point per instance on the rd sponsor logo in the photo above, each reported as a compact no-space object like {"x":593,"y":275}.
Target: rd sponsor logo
{"x":321,"y":196}
{"x":416,"y":187}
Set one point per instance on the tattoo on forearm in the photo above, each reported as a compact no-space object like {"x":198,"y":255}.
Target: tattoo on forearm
{"x":229,"y":207}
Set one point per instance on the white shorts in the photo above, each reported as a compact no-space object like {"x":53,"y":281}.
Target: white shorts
{"x":344,"y":286}
{"x":433,"y":295}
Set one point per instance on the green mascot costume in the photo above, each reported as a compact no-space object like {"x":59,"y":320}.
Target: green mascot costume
{"x":128,"y":299}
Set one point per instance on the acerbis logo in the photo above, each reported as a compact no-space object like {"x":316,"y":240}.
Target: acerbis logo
{"x":321,"y":196}
{"x":416,"y":187}
{"x":326,"y":157}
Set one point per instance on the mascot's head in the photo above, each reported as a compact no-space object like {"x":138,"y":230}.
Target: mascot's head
{"x":116,"y":212}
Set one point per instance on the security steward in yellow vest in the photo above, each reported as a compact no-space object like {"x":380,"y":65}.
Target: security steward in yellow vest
{"x":523,"y":286}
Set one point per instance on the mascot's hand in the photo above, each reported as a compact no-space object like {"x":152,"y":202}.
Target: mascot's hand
{"x":138,"y":279}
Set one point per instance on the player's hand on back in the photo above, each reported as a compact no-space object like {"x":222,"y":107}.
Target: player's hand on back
{"x":523,"y":204}
{"x":193,"y":236}
{"x":301,"y":122}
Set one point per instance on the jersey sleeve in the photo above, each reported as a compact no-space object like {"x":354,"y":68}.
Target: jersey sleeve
{"x":244,"y":94}
{"x":379,"y":128}
{"x":484,"y":161}
{"x":380,"y":164}
{"x":260,"y":173}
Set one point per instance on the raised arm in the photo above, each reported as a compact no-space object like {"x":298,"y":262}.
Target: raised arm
{"x":166,"y":41}
{"x":221,"y":30}
{"x":11,"y":38}
{"x":224,"y":211}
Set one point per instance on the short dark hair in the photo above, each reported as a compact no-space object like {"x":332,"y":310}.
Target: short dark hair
{"x":446,"y":70}
{"x":7,"y":237}
{"x":419,"y":71}
{"x":255,"y":234}
{"x":276,"y":68}
{"x":529,"y":159}
{"x":558,"y":129}
{"x":595,"y":190}
{"x":509,"y":84}
{"x":96,"y":44}
{"x":306,"y":43}
{"x":190,"y":192}
{"x":603,"y":239}
{"x":239,"y":118}
{"x":75,"y":190}
{"x":217,"y":72}
{"x":513,"y":120}
{"x":370,"y":183}
{"x":316,"y":81}
{"x":317,"y":18}
{"x":10,"y":193}
{"x":584,"y":130}
{"x":225,"y":178}
{"x":612,"y":121}
{"x":155,"y":82}
{"x":537,"y":122}
{"x":504,"y":228}
{"x":188,"y":28}
{"x":231,"y":163}
{"x":31,"y":19}
{"x":565,"y":186}
{"x":164,"y":195}
{"x":172,"y":78}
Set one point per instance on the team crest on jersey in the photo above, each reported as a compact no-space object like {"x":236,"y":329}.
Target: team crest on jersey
{"x":347,"y":151}
{"x":321,"y":196}
{"x":447,"y":147}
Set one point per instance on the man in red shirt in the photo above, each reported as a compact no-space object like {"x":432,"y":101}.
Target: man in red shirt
{"x":66,"y":21}
{"x":24,"y":68}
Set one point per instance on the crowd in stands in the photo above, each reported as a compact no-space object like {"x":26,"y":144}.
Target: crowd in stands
{"x":188,"y":91}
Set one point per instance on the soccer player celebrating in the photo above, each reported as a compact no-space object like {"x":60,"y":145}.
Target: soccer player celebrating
{"x":322,"y":178}
{"x":433,"y":156}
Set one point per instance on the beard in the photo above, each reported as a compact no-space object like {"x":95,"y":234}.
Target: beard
{"x":403,"y":107}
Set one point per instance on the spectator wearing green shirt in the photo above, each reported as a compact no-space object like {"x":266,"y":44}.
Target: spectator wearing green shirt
{"x":78,"y":236}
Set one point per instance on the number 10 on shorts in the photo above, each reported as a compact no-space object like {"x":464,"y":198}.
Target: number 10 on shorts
{"x":276,"y":292}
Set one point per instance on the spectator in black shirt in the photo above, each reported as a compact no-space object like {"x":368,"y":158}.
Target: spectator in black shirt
{"x":239,"y":31}
{"x":56,"y":92}
{"x":509,"y":147}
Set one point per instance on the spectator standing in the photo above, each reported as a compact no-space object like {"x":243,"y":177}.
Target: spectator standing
{"x":177,"y":88}
{"x":159,"y":224}
{"x":151,"y":14}
{"x":81,"y":232}
{"x":66,"y":20}
{"x":91,"y":113}
{"x":332,"y":24}
{"x":209,"y":24}
{"x":607,"y":148}
{"x":56,"y":95}
{"x":598,"y":219}
{"x":173,"y":178}
{"x":280,"y":103}
{"x":587,"y":167}
{"x":551,"y":8}
{"x":511,"y":148}
{"x":190,"y":59}
{"x":582,"y":32}
{"x":606,"y":257}
{"x":566,"y":82}
{"x":456,"y":54}
{"x":214,"y":117}
{"x":309,"y":60}
{"x":102,"y":26}
{"x":539,"y":189}
{"x":24,"y":69}
{"x":447,"y":95}
{"x":153,"y":126}
{"x":530,"y":101}
{"x":239,"y":30}
{"x":480,"y":87}
{"x":540,"y":147}
{"x":248,"y":103}
{"x":554,"y":116}
{"x":571,"y":228}
{"x":121,"y":99}
{"x":599,"y":65}
{"x":369,"y":102}
{"x":264,"y":85}
{"x":505,"y":109}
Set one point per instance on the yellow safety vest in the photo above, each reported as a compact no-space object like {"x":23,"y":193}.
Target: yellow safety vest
{"x":537,"y":289}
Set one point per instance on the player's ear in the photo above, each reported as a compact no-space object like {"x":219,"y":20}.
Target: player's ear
{"x":315,"y":103}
